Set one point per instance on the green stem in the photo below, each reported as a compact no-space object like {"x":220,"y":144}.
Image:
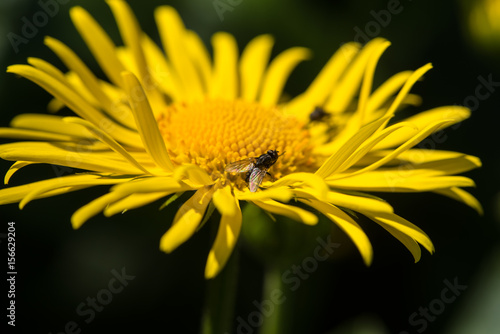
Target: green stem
{"x":221,"y":295}
{"x":277,"y":295}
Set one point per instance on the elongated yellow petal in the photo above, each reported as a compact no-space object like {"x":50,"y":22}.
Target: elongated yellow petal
{"x":227,"y":235}
{"x":407,"y":241}
{"x":64,"y":182}
{"x":16,"y":166}
{"x":225,"y":80}
{"x":49,"y":123}
{"x":117,"y":110}
{"x":462,"y":196}
{"x":108,"y":140}
{"x":406,"y":88}
{"x":324,"y":84}
{"x":194,"y":174}
{"x":407,"y":145}
{"x":33,"y":135}
{"x":366,"y":86}
{"x":146,"y":123}
{"x":289,"y":211}
{"x":16,"y":194}
{"x":168,"y":81}
{"x":93,"y":208}
{"x":132,"y":34}
{"x":283,"y":194}
{"x":151,"y":185}
{"x":369,"y":144}
{"x":453,"y":113}
{"x":131,"y":202}
{"x":75,"y":103}
{"x":200,"y":56}
{"x":358,"y":203}
{"x":47,"y":68}
{"x":403,"y":226}
{"x":99,"y":44}
{"x":347,"y":87}
{"x":253,"y":62}
{"x":335,"y":160}
{"x":348,"y":225}
{"x":173,"y":34}
{"x":382,"y":94}
{"x":186,"y":220}
{"x":396,"y":181}
{"x":278,"y":72}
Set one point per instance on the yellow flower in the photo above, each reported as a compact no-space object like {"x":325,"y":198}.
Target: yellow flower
{"x":169,"y":121}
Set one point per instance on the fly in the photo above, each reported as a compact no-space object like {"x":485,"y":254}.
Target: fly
{"x":318,"y":114}
{"x":256,"y":168}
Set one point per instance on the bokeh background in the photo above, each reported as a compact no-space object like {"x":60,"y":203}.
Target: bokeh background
{"x":59,"y":268}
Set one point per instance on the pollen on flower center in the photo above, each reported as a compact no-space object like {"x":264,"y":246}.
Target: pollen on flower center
{"x":212,"y":133}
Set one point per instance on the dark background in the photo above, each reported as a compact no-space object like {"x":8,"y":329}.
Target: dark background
{"x":58,"y":268}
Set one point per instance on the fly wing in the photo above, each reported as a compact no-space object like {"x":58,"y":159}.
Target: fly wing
{"x":240,"y":166}
{"x":256,"y":178}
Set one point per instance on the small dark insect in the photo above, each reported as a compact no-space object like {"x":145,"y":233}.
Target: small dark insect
{"x":318,"y":114}
{"x":256,"y":168}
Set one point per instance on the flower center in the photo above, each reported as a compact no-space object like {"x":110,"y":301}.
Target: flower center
{"x":213,"y":133}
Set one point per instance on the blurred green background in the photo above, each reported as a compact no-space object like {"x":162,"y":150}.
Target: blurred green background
{"x":59,"y":268}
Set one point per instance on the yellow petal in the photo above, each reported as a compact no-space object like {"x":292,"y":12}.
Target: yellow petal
{"x":331,"y":165}
{"x":16,"y":194}
{"x":200,"y":56}
{"x":407,"y":241}
{"x":194,"y":174}
{"x":146,"y":123}
{"x":382,"y":94}
{"x":106,"y":139}
{"x":81,"y":181}
{"x":168,"y":81}
{"x":453,"y":113}
{"x":76,"y":103}
{"x":93,"y":208}
{"x":278,"y":72}
{"x":366,"y":86}
{"x":57,"y":155}
{"x":283,"y":194}
{"x":33,"y":135}
{"x":99,"y":44}
{"x":117,"y":110}
{"x":324,"y":83}
{"x":253,"y":62}
{"x":173,"y":34}
{"x":14,"y":168}
{"x":358,"y":203}
{"x":396,"y":181}
{"x":227,"y":235}
{"x":406,"y":88}
{"x":289,"y":211}
{"x":132,"y":34}
{"x":347,"y":87}
{"x":225,"y":81}
{"x":131,"y":202}
{"x":348,"y":225}
{"x":462,"y":196}
{"x":186,"y":220}
{"x":403,"y":226}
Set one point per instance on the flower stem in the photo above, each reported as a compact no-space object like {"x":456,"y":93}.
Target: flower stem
{"x":221,"y":295}
{"x":277,"y":296}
